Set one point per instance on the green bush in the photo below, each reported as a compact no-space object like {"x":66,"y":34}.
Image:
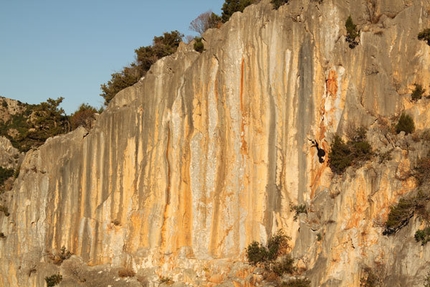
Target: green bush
{"x":5,"y":173}
{"x":422,"y":170}
{"x":399,"y":215}
{"x":53,"y":280}
{"x":36,"y":123}
{"x":277,"y":245}
{"x":198,"y":44}
{"x":145,"y":57}
{"x":340,"y":156}
{"x":298,"y":209}
{"x":284,"y":266}
{"x":256,"y":253}
{"x":423,"y":235}
{"x":231,"y":6}
{"x":351,"y":33}
{"x":343,"y":155}
{"x":278,"y":3}
{"x":417,"y":93}
{"x":424,"y":35}
{"x":405,"y":124}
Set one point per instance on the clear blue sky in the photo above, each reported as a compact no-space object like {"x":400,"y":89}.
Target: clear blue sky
{"x":59,"y":48}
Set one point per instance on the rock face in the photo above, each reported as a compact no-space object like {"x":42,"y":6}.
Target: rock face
{"x":208,"y":152}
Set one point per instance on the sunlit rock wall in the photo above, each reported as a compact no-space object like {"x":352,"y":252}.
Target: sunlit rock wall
{"x":208,"y":151}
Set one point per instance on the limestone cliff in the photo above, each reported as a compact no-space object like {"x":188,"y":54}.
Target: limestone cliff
{"x":209,"y":151}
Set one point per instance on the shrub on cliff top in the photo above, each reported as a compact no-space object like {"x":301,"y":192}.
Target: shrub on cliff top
{"x":146,"y":56}
{"x":278,"y":3}
{"x":231,"y":6}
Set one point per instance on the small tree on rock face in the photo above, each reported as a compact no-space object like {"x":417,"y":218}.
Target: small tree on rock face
{"x":351,"y":33}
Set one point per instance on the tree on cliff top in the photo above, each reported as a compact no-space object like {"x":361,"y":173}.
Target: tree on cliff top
{"x":35,"y":124}
{"x":162,"y":46}
{"x":84,"y":117}
{"x":231,"y":6}
{"x":205,"y":21}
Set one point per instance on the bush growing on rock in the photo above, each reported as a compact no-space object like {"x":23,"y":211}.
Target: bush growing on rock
{"x":405,"y":124}
{"x":277,"y":245}
{"x":198,"y":44}
{"x":53,"y":280}
{"x":351,"y":33}
{"x":274,"y":257}
{"x":417,"y":93}
{"x":402,"y":212}
{"x":423,"y":235}
{"x":422,"y":170}
{"x":298,"y":209}
{"x":399,"y":216}
{"x":424,"y":35}
{"x":355,"y":151}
